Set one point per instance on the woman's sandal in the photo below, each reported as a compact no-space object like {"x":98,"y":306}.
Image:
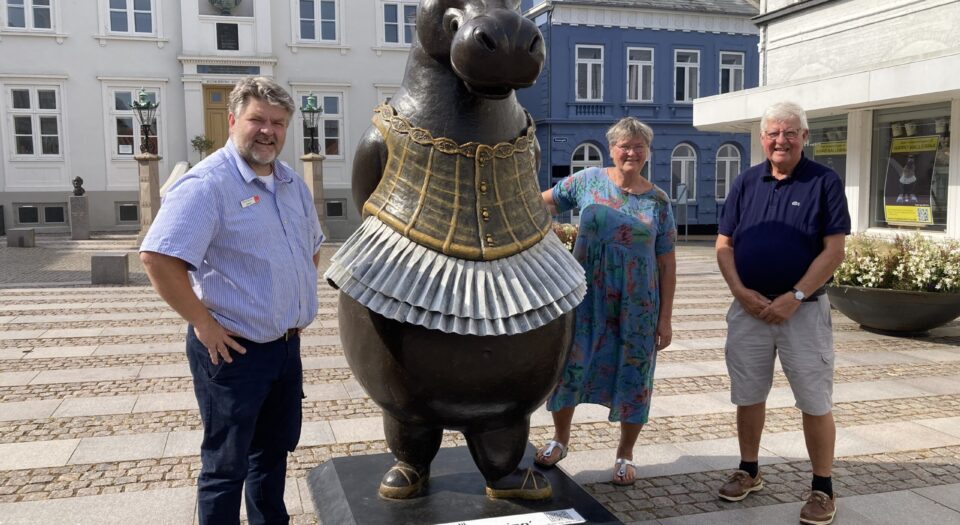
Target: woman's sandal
{"x":620,"y":472}
{"x":547,"y":453}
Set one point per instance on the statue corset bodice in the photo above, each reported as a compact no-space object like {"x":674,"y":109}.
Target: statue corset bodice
{"x":470,"y":201}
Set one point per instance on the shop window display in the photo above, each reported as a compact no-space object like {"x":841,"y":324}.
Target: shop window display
{"x":911,"y":155}
{"x":827,"y":143}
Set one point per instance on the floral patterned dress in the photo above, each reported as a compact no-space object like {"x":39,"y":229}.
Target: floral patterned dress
{"x":621,"y":234}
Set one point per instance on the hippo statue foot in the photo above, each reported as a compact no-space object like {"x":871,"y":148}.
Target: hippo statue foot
{"x":520,"y":484}
{"x":404,"y":481}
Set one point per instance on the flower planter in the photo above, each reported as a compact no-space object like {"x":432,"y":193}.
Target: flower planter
{"x":898,"y":311}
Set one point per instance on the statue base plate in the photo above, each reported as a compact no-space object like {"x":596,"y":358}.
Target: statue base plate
{"x":344,"y":491}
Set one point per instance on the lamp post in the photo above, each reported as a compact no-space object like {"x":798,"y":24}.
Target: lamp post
{"x":146,"y":113}
{"x":311,"y":116}
{"x":313,"y":160}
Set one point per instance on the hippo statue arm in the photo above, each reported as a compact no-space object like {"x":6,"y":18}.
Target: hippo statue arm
{"x":368,"y":164}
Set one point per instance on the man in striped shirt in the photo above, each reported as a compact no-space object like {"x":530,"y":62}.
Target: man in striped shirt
{"x":234,"y":250}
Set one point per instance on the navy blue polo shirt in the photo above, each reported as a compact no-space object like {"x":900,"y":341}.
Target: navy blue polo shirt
{"x":778,"y":226}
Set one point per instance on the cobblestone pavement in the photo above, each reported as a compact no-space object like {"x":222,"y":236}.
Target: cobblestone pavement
{"x":77,"y":362}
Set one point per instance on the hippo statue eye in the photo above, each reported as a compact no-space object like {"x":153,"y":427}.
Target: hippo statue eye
{"x":452,"y":20}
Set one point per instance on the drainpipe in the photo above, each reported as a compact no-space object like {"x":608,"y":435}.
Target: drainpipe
{"x":762,"y":46}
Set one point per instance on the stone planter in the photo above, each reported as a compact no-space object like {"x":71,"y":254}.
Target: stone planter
{"x":897,"y":311}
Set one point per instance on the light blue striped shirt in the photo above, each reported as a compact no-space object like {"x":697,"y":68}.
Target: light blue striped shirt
{"x":249,"y":251}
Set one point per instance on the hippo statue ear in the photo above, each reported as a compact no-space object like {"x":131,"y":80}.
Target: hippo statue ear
{"x":437,"y":23}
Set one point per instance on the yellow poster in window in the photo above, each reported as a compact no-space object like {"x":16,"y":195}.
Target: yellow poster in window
{"x":909,"y":214}
{"x":915,"y":144}
{"x":824,"y":149}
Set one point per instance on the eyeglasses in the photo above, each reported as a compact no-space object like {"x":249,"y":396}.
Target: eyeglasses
{"x":789,"y":134}
{"x":639,"y":148}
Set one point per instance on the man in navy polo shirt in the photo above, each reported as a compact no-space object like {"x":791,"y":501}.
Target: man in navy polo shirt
{"x":781,"y":237}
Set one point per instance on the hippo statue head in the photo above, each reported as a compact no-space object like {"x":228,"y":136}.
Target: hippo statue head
{"x":489,"y":45}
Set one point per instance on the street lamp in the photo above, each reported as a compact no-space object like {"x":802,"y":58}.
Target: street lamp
{"x":311,"y":117}
{"x":146,"y":114}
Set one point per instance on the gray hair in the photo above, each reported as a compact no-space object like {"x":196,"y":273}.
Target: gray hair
{"x":782,"y":111}
{"x":261,"y":88}
{"x":630,"y":128}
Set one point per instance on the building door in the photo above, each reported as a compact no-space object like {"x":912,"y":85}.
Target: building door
{"x":215,"y":109}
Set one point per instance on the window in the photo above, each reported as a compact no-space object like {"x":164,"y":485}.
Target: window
{"x":318,"y":20}
{"x":128,"y":212}
{"x":639,"y":74}
{"x":399,"y":19}
{"x":126,"y":127}
{"x":329,"y":134}
{"x":731,"y":72}
{"x":728,"y":167}
{"x":686,"y":82}
{"x":589,"y":76}
{"x":683,"y":170}
{"x":827,"y":143}
{"x":336,"y":208}
{"x":910,"y":167}
{"x":585,"y":156}
{"x":131,"y":16}
{"x":35,"y":118}
{"x":40,"y":214}
{"x":29,"y":14}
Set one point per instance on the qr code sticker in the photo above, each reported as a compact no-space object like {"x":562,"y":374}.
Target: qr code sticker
{"x":923,"y":214}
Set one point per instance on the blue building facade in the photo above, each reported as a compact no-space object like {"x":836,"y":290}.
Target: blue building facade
{"x":647,"y":59}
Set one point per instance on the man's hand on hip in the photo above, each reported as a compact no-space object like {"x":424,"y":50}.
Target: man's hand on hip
{"x":781,"y":309}
{"x":218,"y":341}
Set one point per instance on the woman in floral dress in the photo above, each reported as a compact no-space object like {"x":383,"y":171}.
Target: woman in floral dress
{"x":626,"y":246}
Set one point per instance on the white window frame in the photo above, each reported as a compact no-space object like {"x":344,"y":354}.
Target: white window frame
{"x":583,"y":162}
{"x":131,"y":12}
{"x":322,"y":96}
{"x":729,"y":166}
{"x":589,"y":63}
{"x":29,"y":24}
{"x":401,"y":23}
{"x":736,"y":72}
{"x":35,"y":114}
{"x":318,"y":22}
{"x":113,"y":114}
{"x":643,"y":69}
{"x":687,"y":68}
{"x":688,"y":171}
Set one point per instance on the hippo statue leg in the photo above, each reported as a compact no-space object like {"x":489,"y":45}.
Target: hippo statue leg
{"x":497,"y":452}
{"x":414,"y":447}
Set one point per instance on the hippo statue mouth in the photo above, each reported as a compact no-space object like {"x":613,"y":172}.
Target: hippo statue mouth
{"x":483,"y":89}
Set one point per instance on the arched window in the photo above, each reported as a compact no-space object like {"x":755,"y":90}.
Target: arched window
{"x":683,"y":170}
{"x":585,"y":156}
{"x":728,"y":166}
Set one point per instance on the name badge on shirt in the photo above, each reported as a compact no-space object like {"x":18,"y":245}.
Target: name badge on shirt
{"x":250,"y":202}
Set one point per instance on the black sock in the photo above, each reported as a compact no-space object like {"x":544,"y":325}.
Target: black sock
{"x":750,"y":467}
{"x":823,"y":484}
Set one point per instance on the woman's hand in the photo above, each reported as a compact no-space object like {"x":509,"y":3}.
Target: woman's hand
{"x":664,"y":334}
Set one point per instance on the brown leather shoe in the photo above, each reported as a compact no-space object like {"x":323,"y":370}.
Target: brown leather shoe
{"x":739,"y":485}
{"x":819,"y":508}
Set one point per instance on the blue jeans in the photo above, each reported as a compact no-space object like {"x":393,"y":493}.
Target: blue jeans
{"x":251,"y":412}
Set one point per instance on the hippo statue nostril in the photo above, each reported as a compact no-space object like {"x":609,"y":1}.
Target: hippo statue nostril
{"x":484,"y":39}
{"x":535,"y":45}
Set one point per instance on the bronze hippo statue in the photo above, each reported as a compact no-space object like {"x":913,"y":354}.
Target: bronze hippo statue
{"x":456,"y":297}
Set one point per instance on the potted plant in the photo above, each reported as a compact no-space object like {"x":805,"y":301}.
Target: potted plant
{"x":201,"y":144}
{"x":906,"y":285}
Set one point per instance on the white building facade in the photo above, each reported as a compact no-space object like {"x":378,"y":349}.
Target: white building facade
{"x":879,"y":81}
{"x":69,"y":70}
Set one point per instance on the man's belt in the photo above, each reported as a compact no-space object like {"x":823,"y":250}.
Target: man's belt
{"x":809,"y":299}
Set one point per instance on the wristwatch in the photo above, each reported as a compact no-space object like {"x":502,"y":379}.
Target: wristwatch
{"x":798,"y":294}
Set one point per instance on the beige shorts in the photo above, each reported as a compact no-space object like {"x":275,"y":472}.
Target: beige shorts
{"x":805,"y":346}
